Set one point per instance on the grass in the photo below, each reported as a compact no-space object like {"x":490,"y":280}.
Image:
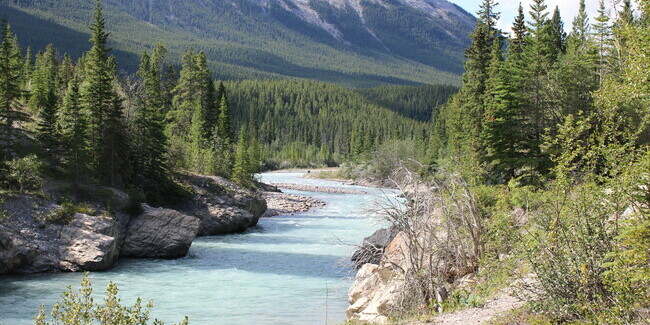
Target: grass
{"x":65,"y":214}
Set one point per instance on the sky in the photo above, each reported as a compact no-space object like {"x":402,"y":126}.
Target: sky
{"x":508,"y":9}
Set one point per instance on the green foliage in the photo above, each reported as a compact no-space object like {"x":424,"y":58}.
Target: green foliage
{"x":11,"y":91}
{"x":306,"y":123}
{"x":107,"y":138}
{"x":246,"y":41}
{"x":24,"y":174}
{"x":628,"y":273}
{"x":416,"y":102}
{"x":80,"y":308}
{"x":73,"y":126}
{"x":66,"y":213}
{"x":241,"y":171}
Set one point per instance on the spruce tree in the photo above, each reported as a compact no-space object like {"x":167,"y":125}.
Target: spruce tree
{"x":74,"y":136}
{"x":221,"y":137}
{"x":66,"y":72}
{"x":10,"y":93}
{"x":108,"y":142}
{"x":223,"y":124}
{"x":211,"y":109}
{"x":501,"y":132}
{"x":602,"y":32}
{"x":254,"y":152}
{"x":241,"y":173}
{"x":580,"y":29}
{"x":44,"y":100}
{"x":27,"y":72}
{"x":464,"y":122}
{"x":520,"y":31}
{"x":143,"y":142}
{"x":557,"y":36}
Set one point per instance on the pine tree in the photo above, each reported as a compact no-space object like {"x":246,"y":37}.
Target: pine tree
{"x":254,"y":152}
{"x":520,"y":31}
{"x":108,"y":142}
{"x":66,"y":72}
{"x":556,"y":35}
{"x":223,"y":124}
{"x":241,"y":173}
{"x":211,"y":109}
{"x":502,"y":127}
{"x":221,"y":137}
{"x":580,"y":30}
{"x":27,"y":72}
{"x":602,"y":32}
{"x":464,"y":122}
{"x":198,"y":143}
{"x":10,"y":93}
{"x":74,"y":137}
{"x":537,"y":59}
{"x":44,"y":99}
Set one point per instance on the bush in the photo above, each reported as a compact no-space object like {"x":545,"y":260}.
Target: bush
{"x":24,"y":174}
{"x":79,"y":308}
{"x":66,"y":213}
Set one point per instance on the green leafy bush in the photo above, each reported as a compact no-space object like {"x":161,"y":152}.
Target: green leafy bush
{"x":24,"y":174}
{"x":66,"y":213}
{"x":79,"y":308}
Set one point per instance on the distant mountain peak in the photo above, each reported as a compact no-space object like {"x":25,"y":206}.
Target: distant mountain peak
{"x":305,"y":10}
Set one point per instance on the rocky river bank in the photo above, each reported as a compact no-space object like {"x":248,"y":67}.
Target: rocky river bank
{"x":37,"y":234}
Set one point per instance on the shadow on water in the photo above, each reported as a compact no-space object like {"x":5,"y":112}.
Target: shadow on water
{"x":279,"y":263}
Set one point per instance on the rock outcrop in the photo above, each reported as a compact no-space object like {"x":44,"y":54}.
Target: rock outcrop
{"x":15,"y":252}
{"x":373,"y":246}
{"x":221,"y":206}
{"x":89,"y":243}
{"x":160,"y":233}
{"x":376,"y":290}
{"x":29,"y":244}
{"x":279,"y":203}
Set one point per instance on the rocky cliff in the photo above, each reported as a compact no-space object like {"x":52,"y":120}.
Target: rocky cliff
{"x":37,"y":234}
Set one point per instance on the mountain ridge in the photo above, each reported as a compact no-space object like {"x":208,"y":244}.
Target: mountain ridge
{"x":363,"y":42}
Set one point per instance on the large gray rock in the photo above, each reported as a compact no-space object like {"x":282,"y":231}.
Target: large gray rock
{"x":373,"y":246}
{"x":376,"y":289}
{"x":160,"y":233}
{"x":89,"y":243}
{"x":219,"y":220}
{"x":221,"y":206}
{"x":15,"y":252}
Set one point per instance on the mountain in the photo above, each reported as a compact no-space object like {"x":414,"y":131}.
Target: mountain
{"x":352,"y":42}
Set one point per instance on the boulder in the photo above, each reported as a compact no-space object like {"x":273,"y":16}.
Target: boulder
{"x":218,"y":220}
{"x":89,"y":243}
{"x":160,"y":233}
{"x":221,"y":206}
{"x":376,"y":289}
{"x":373,"y":246}
{"x":15,"y":252}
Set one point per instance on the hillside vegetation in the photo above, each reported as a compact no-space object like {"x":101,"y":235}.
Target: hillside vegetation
{"x":243,"y":40}
{"x":536,"y":183}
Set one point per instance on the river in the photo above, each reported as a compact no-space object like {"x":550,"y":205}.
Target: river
{"x":287,"y":270}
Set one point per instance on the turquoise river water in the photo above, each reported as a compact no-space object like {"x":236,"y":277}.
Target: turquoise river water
{"x":287,"y":270}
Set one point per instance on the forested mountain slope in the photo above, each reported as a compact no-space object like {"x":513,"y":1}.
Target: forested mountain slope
{"x":308,"y":123}
{"x":349,"y":41}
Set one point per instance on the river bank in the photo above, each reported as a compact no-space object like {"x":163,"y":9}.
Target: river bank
{"x":293,"y":261}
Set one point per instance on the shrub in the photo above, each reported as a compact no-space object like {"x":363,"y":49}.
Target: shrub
{"x":79,"y":308}
{"x":66,"y":213}
{"x":24,"y":174}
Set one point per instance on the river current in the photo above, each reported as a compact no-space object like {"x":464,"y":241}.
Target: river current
{"x":290,"y":269}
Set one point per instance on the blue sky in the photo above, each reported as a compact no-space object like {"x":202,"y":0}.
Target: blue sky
{"x":508,"y":9}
